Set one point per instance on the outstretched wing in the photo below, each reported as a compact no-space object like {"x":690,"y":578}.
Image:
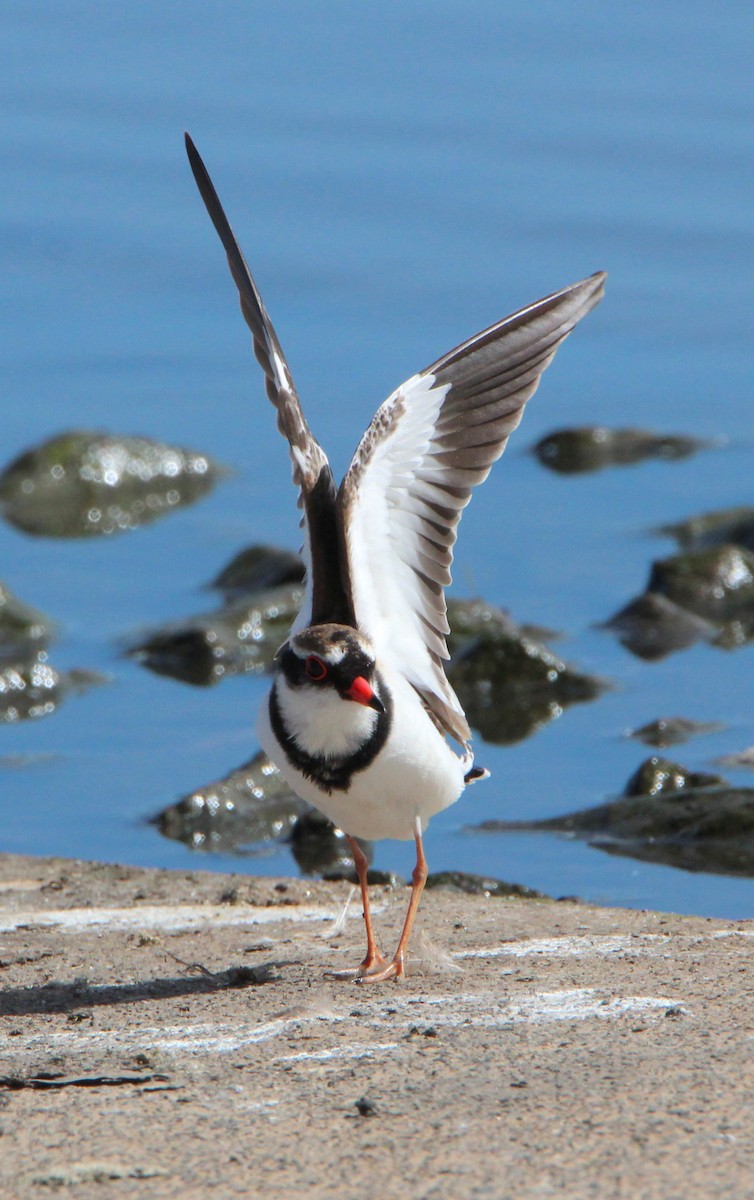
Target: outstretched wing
{"x":429,"y":444}
{"x":327,"y":599}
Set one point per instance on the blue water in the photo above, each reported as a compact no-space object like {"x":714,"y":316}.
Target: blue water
{"x":400,"y":176}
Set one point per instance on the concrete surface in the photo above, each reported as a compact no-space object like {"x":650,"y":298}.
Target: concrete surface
{"x":167,"y":1034}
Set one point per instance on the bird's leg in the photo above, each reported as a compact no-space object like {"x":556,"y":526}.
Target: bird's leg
{"x":373,"y":956}
{"x":374,"y":960}
{"x":397,"y":968}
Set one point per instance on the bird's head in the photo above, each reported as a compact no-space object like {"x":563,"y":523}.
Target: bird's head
{"x":328,"y":660}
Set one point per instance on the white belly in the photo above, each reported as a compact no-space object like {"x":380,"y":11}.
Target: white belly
{"x":415,"y":774}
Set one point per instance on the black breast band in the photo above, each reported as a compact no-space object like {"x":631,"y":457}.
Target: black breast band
{"x":334,"y":774}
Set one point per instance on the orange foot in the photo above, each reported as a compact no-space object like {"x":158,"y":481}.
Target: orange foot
{"x":373,"y":966}
{"x":392,"y":970}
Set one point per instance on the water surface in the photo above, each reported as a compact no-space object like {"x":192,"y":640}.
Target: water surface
{"x":400,"y":176}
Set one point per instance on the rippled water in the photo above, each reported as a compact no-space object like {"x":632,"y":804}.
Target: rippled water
{"x":399,"y":176}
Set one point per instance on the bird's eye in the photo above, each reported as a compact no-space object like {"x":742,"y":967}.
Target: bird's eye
{"x":315,"y":668}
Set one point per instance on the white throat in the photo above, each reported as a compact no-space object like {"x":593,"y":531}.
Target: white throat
{"x":321,"y":722}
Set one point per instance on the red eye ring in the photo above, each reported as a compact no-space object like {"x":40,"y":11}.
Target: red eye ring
{"x":316,"y":670}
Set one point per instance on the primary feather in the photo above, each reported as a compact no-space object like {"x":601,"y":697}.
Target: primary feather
{"x":412,"y":475}
{"x":326,"y":598}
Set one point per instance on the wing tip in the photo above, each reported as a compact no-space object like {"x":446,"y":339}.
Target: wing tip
{"x":597,"y":280}
{"x":194,"y":156}
{"x":592,"y":288}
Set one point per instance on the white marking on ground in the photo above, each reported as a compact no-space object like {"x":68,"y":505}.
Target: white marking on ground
{"x":721,"y":933}
{"x":570,"y":947}
{"x":574,"y":1004}
{"x":453,"y":1011}
{"x":166,"y":917}
{"x":188,"y":1039}
{"x":225,"y":1039}
{"x":360,"y":1050}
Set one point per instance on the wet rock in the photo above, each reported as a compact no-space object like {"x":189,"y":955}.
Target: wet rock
{"x":697,"y":595}
{"x":651,"y":627}
{"x":510,"y":685}
{"x":251,"y":805}
{"x":33,"y":688}
{"x":672,"y":731}
{"x":23,"y":629}
{"x":256,"y":569}
{"x":242,"y":637}
{"x":30,"y":687}
{"x":469,"y":619}
{"x":85,"y":484}
{"x":735,"y":633}
{"x":320,"y":848}
{"x":741,"y":758}
{"x":482,"y":885}
{"x":590,"y":448}
{"x":733,"y":526}
{"x":717,"y":584}
{"x":656,"y":775}
{"x":697,"y":826}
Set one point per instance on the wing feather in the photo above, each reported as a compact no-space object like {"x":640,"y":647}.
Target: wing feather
{"x":328,"y":598}
{"x":412,"y":475}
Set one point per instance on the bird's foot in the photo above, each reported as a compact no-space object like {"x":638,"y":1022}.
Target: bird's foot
{"x":374,"y":964}
{"x":395,"y":969}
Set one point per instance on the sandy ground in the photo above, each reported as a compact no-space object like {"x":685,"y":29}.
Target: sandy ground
{"x":170,"y":1035}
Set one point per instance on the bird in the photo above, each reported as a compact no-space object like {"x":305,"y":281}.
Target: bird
{"x":360,"y":716}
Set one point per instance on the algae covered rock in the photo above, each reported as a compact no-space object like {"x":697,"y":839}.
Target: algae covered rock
{"x":686,"y":819}
{"x":481,"y":885}
{"x":672,"y":731}
{"x":651,"y":627}
{"x":592,"y":447}
{"x":717,"y":583}
{"x":656,"y":775}
{"x":692,"y":596}
{"x":508,"y":682}
{"x":241,"y":637}
{"x":733,"y":526}
{"x":23,"y":630}
{"x":251,"y":805}
{"x":321,"y":849}
{"x":32,"y":688}
{"x":471,"y":619}
{"x":86,"y":484}
{"x":263,"y":588}
{"x":258,"y":568}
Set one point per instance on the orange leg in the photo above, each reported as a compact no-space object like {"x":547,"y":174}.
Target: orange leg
{"x":374,"y":960}
{"x":396,"y":969}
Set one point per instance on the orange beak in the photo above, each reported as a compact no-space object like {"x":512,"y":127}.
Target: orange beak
{"x":361,"y":692}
